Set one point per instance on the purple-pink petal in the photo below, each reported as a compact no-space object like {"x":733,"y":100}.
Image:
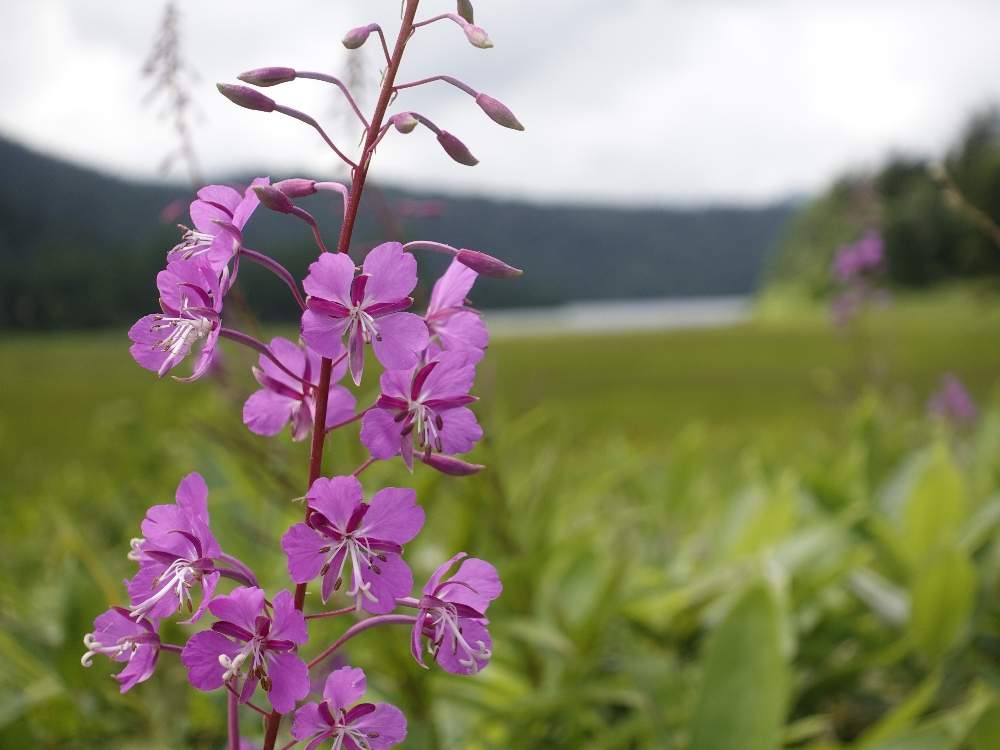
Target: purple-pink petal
{"x":289,"y":680}
{"x":335,"y":497}
{"x":393,"y":273}
{"x":393,"y":515}
{"x":323,"y":334}
{"x":241,"y":606}
{"x":461,"y":431}
{"x":452,"y":288}
{"x":451,"y":654}
{"x":394,"y":579}
{"x":288,"y":624}
{"x":330,"y":278}
{"x":140,"y":667}
{"x":267,"y":412}
{"x":461,"y":330}
{"x":344,"y":687}
{"x":475,"y":584}
{"x":386,"y":726}
{"x":303,"y":547}
{"x":201,"y":657}
{"x":381,"y":433}
{"x":402,"y":337}
{"x":308,"y":722}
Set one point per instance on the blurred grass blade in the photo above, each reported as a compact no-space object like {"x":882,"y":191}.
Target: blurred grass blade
{"x":744,"y":688}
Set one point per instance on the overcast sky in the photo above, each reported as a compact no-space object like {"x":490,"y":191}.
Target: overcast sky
{"x":653,"y":101}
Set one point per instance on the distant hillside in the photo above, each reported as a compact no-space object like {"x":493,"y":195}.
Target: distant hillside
{"x":79,"y":248}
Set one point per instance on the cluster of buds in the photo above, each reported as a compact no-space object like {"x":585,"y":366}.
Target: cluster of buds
{"x":422,"y":414}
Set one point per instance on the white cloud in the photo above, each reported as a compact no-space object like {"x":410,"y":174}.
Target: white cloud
{"x":637,"y":100}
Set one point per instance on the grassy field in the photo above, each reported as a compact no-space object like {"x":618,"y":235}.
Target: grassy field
{"x":653,"y":501}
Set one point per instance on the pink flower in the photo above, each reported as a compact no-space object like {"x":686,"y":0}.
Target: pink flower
{"x":452,"y":615}
{"x":250,"y":645}
{"x":951,"y":402}
{"x":424,"y":409}
{"x":341,"y":529}
{"x":366,"y":308}
{"x":864,"y":255}
{"x":191,"y":303}
{"x":219,"y":216}
{"x":283,"y":399}
{"x":453,"y":324}
{"x":175,"y":555}
{"x":364,"y":726}
{"x":122,"y":638}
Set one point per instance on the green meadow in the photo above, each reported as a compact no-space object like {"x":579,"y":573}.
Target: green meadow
{"x":750,"y":536}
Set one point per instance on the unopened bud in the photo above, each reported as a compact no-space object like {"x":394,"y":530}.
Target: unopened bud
{"x":456,"y":149}
{"x":498,"y":112}
{"x":272,"y":198}
{"x":296,"y":187}
{"x":267,"y":76}
{"x":404,"y":122}
{"x":487,"y":265}
{"x":465,"y":10}
{"x":477,"y":36}
{"x":246,"y":97}
{"x":451,"y":465}
{"x":356,"y":37}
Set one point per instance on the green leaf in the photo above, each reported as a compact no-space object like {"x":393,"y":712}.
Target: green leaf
{"x":935,"y":509}
{"x":942,"y":596}
{"x":986,"y":735}
{"x":904,"y":716}
{"x":741,"y":704}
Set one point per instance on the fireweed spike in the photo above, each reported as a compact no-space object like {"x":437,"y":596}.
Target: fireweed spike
{"x":353,"y":545}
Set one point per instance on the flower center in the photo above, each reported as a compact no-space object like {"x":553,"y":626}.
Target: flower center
{"x":362,"y":556}
{"x":427,"y":425}
{"x":176,"y":579}
{"x":251,"y":656}
{"x":365,"y":323}
{"x":193,"y":243}
{"x":444,"y":621}
{"x":183,"y":332}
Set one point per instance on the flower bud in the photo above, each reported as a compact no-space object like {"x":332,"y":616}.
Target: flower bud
{"x":273,"y":198}
{"x":450,"y":465}
{"x":404,"y":122}
{"x":498,"y":112}
{"x":267,"y":76}
{"x":456,"y":149}
{"x":246,"y":97}
{"x":477,"y":36}
{"x":296,"y":187}
{"x":465,"y":10}
{"x":356,"y":37}
{"x":487,"y":265}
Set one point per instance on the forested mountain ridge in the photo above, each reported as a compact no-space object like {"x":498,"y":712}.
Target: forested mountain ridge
{"x":80,"y":248}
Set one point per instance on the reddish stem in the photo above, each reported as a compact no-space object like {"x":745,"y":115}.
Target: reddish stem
{"x":360,"y":627}
{"x":360,"y":173}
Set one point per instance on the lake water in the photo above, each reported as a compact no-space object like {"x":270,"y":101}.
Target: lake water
{"x":619,"y":316}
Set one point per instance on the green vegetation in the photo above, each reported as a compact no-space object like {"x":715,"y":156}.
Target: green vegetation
{"x":741,"y":538}
{"x":932,"y":233}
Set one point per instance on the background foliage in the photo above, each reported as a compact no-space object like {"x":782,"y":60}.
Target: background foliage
{"x":730,"y":538}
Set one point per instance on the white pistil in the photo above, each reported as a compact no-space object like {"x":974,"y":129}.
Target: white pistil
{"x":366,"y":323}
{"x":95,"y":647}
{"x":184,"y":332}
{"x":447,"y":620}
{"x":361,"y":554}
{"x":180,"y":576}
{"x":135,"y":551}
